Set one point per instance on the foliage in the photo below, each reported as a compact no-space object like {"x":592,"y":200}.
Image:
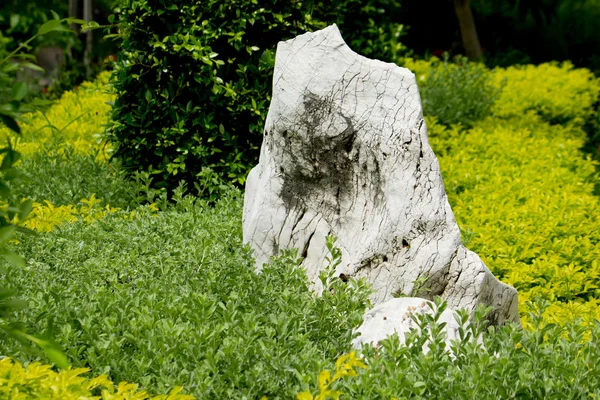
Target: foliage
{"x":40,"y":381}
{"x":45,"y":217}
{"x":344,"y":366}
{"x":20,"y":20}
{"x":78,"y":120}
{"x":550,"y":362}
{"x":172,"y":298}
{"x":13,"y":213}
{"x":193,"y":82}
{"x":63,"y":177}
{"x":368,"y":27}
{"x":557,"y":92}
{"x":539,"y":31}
{"x":523,"y":191}
{"x":66,"y":154}
{"x":458,"y":92}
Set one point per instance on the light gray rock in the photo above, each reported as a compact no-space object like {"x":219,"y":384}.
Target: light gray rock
{"x":396,"y":316}
{"x":345,"y":153}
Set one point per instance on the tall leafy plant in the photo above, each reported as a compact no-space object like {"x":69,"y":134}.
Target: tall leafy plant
{"x":193,"y":81}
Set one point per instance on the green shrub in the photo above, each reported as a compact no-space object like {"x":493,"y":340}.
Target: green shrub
{"x":551,"y":362}
{"x":558,"y":93}
{"x":460,"y":92}
{"x":194,"y":79}
{"x":171,"y":298}
{"x":368,"y":27}
{"x":66,"y":177}
{"x":193,"y":83}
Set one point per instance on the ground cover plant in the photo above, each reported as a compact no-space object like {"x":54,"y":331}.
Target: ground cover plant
{"x":164,"y":295}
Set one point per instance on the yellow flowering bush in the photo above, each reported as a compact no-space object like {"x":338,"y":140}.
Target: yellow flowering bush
{"x":37,"y":381}
{"x":77,"y":120}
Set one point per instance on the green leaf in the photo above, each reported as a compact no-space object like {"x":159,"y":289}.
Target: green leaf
{"x":11,"y":174}
{"x":14,"y":20}
{"x":26,"y":208}
{"x":7,"y":233}
{"x":19,"y":91}
{"x":52,"y":25}
{"x":52,"y":350}
{"x":33,"y":67}
{"x":13,"y":258}
{"x":4,"y":190}
{"x":9,"y":159}
{"x":54,"y":14}
{"x":76,"y":21}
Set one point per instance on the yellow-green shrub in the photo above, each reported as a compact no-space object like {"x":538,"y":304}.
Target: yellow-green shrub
{"x":522,"y":193}
{"x":77,"y":119}
{"x":45,"y":217}
{"x":522,"y":190}
{"x":38,"y":381}
{"x":557,"y":92}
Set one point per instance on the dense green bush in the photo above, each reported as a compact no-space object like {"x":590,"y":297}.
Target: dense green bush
{"x":193,"y":82}
{"x":66,"y":177}
{"x":368,"y":27}
{"x":458,"y":92}
{"x":551,"y":362}
{"x":172,"y":298}
{"x":194,"y":79}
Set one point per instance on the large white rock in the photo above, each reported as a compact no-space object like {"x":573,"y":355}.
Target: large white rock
{"x":345,"y":153}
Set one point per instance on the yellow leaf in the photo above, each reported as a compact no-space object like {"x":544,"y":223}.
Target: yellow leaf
{"x":324,"y":380}
{"x":304,"y":396}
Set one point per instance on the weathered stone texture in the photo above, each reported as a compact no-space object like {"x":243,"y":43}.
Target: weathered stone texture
{"x":345,"y":153}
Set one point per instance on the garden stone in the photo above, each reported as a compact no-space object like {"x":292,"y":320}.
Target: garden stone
{"x":396,"y":316}
{"x":345,"y":153}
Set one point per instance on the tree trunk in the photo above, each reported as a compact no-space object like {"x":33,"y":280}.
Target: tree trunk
{"x":74,"y":12}
{"x":87,"y":54}
{"x":468,"y":31}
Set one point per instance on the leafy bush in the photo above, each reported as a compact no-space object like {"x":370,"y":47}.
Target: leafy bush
{"x":41,"y":382}
{"x":523,"y":191}
{"x":64,"y":177}
{"x":65,"y":156}
{"x":557,"y":92}
{"x":77,"y":120}
{"x":193,"y":82}
{"x":171,"y":298}
{"x":368,"y":27}
{"x":551,"y":362}
{"x":461,"y":92}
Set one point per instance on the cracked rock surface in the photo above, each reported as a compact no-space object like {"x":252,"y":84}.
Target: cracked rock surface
{"x":345,"y":153}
